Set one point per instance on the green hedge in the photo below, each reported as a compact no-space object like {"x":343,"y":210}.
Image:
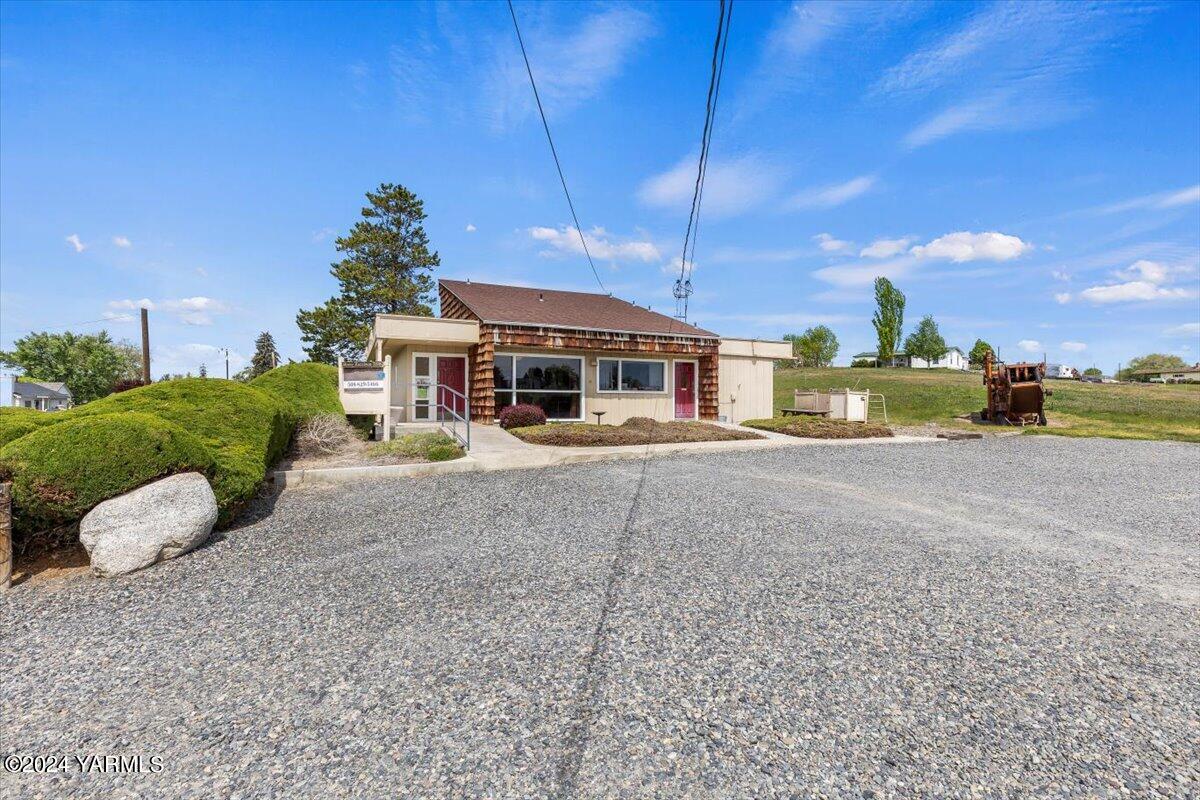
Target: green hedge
{"x":243,"y":430}
{"x":246,"y":429}
{"x":308,"y":388}
{"x":15,"y":422}
{"x":61,"y":471}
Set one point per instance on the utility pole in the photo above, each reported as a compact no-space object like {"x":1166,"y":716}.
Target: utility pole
{"x":145,"y":346}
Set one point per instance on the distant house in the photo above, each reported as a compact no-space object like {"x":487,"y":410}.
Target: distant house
{"x":951,"y":359}
{"x":41,"y":395}
{"x":1061,"y":371}
{"x":1186,"y":375}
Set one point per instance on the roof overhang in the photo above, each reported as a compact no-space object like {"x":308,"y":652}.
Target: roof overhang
{"x":404,"y":329}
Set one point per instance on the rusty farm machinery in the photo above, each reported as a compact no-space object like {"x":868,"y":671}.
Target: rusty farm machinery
{"x":1016,"y":394}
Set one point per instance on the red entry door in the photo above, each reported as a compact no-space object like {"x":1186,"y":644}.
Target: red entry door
{"x":452,"y":373}
{"x":685,"y":390}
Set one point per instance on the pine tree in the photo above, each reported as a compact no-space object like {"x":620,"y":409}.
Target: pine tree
{"x":203,"y":371}
{"x":266,"y":357}
{"x":386,"y":270}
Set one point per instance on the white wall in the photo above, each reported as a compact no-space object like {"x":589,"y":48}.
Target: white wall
{"x":746,"y":388}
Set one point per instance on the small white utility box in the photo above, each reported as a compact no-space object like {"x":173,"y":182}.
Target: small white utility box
{"x":848,"y":405}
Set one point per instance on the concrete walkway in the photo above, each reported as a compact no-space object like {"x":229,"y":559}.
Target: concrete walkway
{"x":493,"y":449}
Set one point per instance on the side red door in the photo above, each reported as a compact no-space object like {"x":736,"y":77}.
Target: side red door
{"x":452,"y":373}
{"x":685,"y":390}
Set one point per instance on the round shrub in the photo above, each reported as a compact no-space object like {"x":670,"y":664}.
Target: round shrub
{"x":61,"y":472}
{"x":15,"y":422}
{"x":246,"y":429}
{"x":445,"y":451}
{"x":521,"y":415}
{"x":641,"y":423}
{"x":308,"y":388}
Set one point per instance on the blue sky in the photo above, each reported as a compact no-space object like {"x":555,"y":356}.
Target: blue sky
{"x":1027,"y":173}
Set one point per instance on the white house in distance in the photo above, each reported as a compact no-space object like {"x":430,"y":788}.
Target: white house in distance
{"x":1061,"y":371}
{"x":39,"y":395}
{"x":951,"y":359}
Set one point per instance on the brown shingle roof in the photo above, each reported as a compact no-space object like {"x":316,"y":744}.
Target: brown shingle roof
{"x":523,"y":306}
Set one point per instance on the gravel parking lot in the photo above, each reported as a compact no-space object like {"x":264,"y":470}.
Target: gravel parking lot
{"x":998,"y":618}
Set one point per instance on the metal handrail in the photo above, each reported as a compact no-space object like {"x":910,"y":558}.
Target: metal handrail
{"x":435,"y":405}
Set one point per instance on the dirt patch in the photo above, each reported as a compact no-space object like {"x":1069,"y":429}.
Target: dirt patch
{"x":414,"y":448}
{"x":821,"y":428}
{"x":638,"y":430}
{"x":54,"y":566}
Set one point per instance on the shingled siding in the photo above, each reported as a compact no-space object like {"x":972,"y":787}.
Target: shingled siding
{"x":499,"y":337}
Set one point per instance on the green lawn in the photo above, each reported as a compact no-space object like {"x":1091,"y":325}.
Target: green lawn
{"x":914,"y":397}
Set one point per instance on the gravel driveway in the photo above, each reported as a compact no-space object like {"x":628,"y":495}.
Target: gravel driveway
{"x":998,"y":618}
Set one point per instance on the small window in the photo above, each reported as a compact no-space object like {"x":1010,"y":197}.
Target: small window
{"x":608,"y":375}
{"x":620,"y":375}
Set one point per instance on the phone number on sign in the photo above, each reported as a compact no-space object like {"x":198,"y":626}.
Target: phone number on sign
{"x":106,"y":764}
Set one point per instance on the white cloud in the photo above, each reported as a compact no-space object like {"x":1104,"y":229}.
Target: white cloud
{"x":1143,"y":270}
{"x":132,"y":305}
{"x":202,"y":272}
{"x":966,"y":246}
{"x":1062,"y":298}
{"x":833,"y":195}
{"x":730,"y":187}
{"x":1161,"y":200}
{"x":864,"y":273}
{"x":572,"y":63}
{"x":831,"y":245}
{"x":1010,"y":66}
{"x":113,"y":316}
{"x":1073,"y":347}
{"x":1060,"y":275}
{"x":189,"y":310}
{"x":1187,"y":329}
{"x":470,"y":228}
{"x":1133,"y":291}
{"x":885,"y":248}
{"x":1030,"y":345}
{"x":74,"y":241}
{"x":323,"y":234}
{"x":601,"y":245}
{"x":121,"y":241}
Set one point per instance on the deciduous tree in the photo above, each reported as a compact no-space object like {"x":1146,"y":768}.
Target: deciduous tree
{"x":925,"y":342}
{"x":888,"y":319}
{"x":816,"y":347}
{"x":386,"y":270}
{"x":89,"y":364}
{"x":979,"y":353}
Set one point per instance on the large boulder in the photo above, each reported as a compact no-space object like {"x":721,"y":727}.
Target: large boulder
{"x":160,"y":520}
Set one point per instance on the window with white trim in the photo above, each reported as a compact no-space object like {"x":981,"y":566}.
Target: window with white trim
{"x":630,"y":375}
{"x":552,"y":383}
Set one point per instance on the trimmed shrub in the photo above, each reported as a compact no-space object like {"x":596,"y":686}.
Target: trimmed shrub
{"x":308,"y":388}
{"x":432,"y":446}
{"x":62,"y":471}
{"x":644,"y":423}
{"x":15,"y":422}
{"x":246,"y":429}
{"x":521,"y":416}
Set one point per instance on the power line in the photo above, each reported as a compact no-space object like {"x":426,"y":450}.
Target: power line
{"x":553,"y":151}
{"x":683,"y":285}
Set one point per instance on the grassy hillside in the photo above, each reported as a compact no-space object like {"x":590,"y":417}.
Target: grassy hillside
{"x":914,"y":397}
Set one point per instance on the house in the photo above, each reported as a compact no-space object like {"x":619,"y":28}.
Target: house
{"x":951,"y":359}
{"x":1185,"y":375}
{"x":1061,"y":371}
{"x":572,"y":354}
{"x":42,"y":395}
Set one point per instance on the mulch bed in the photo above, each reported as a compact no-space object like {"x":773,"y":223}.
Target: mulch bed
{"x":819,"y":428}
{"x":634,"y":431}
